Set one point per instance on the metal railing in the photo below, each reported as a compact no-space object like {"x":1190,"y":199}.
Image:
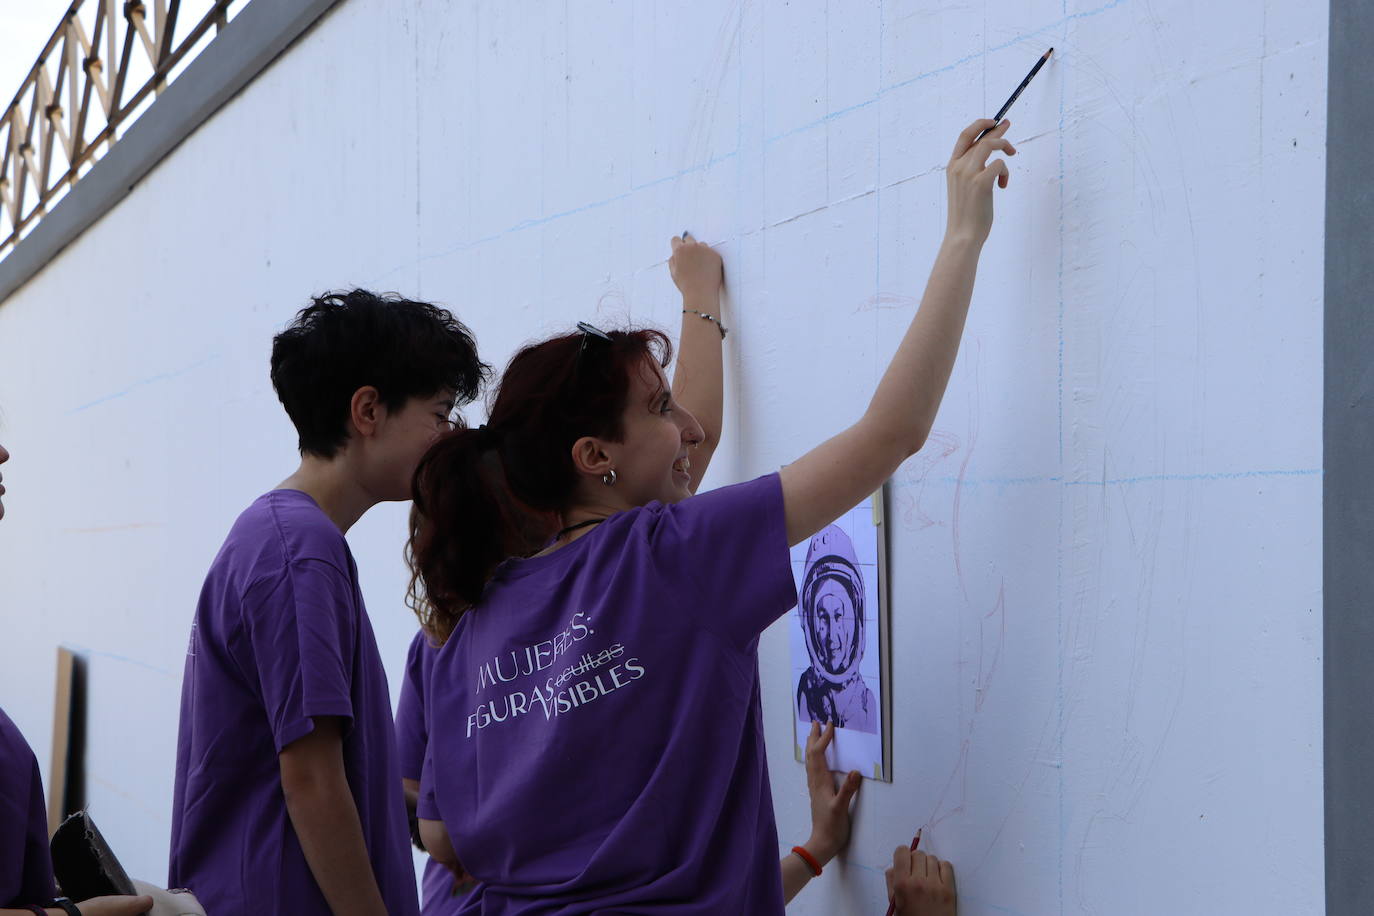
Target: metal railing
{"x":52,"y":133}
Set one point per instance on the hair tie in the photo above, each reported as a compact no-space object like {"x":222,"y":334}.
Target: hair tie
{"x":486,"y":436}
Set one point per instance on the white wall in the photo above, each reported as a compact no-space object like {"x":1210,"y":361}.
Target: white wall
{"x":1106,"y":563}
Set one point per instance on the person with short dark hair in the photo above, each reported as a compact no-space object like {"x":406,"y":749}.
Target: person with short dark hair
{"x":288,"y":797}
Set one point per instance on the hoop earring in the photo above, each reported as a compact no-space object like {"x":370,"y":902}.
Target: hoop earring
{"x":609,"y":478}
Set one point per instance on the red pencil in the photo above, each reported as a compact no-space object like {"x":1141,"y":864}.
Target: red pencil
{"x":915,"y":841}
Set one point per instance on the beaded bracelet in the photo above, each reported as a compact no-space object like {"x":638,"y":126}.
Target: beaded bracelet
{"x":723,"y":329}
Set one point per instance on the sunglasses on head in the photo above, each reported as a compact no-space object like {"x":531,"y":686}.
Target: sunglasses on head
{"x":589,"y":333}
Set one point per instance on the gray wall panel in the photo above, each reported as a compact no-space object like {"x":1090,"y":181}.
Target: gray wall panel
{"x":1348,"y":440}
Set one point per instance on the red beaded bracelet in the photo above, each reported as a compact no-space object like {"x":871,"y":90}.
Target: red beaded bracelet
{"x":809,"y":859}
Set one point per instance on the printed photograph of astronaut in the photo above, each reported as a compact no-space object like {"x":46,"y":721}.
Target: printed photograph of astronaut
{"x":837,"y":636}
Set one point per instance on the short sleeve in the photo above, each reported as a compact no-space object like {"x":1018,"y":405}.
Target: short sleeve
{"x":410,"y":711}
{"x":427,"y":806}
{"x":302,"y":630}
{"x":729,"y":547}
{"x":25,"y":864}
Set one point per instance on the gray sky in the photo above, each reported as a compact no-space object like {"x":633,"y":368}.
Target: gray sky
{"x":24,"y":26}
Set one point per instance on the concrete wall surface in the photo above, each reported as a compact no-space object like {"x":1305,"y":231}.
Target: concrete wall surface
{"x":1106,"y":563}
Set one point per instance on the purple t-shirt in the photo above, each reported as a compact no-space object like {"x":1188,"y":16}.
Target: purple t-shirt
{"x":595,"y":736}
{"x":280,"y":636}
{"x":437,"y":887}
{"x":25,"y":862}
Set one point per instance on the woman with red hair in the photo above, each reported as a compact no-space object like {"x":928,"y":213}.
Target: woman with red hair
{"x":595,"y":742}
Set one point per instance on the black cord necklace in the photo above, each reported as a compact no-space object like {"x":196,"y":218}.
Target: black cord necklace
{"x":572,"y":528}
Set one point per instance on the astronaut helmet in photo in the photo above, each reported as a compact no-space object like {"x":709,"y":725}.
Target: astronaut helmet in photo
{"x":831,"y":605}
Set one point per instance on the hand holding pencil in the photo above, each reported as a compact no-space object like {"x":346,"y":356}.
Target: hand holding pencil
{"x":919,"y":884}
{"x":970,"y":176}
{"x":1001,"y":112}
{"x":971,"y":173}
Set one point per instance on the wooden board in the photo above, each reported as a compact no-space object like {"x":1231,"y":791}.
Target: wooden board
{"x":65,"y":726}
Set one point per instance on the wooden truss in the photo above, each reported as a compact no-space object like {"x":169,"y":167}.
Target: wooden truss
{"x":51,"y":133}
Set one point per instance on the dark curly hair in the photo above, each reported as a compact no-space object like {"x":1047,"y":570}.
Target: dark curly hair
{"x":344,"y":341}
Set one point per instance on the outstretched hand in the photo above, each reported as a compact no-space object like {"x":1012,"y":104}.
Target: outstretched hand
{"x":830,"y":821}
{"x":970,"y":177}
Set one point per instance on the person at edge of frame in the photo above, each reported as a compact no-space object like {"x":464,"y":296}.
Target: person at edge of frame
{"x":917,"y":884}
{"x":26,"y":876}
{"x":637,"y":624}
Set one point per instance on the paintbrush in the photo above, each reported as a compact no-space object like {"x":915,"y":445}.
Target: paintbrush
{"x":1001,"y":112}
{"x":916,"y":840}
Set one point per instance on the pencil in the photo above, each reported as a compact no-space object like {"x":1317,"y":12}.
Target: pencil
{"x":1001,"y":112}
{"x":915,"y":841}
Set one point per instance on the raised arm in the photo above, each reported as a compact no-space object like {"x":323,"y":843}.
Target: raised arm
{"x":698,"y":383}
{"x":836,"y":475}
